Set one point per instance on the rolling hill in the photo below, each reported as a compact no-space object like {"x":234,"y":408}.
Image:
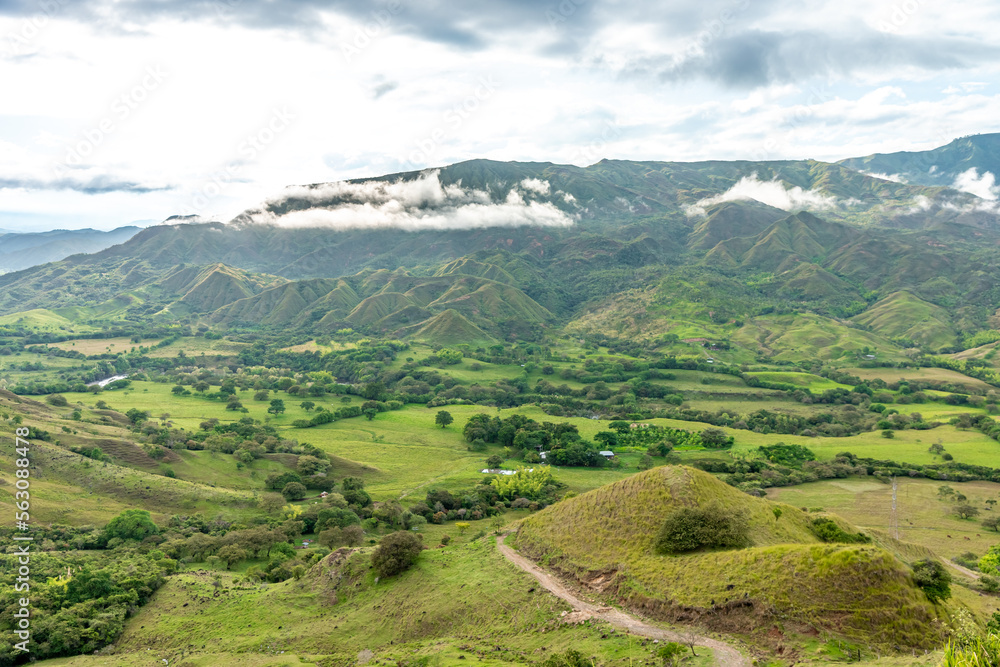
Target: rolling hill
{"x":605,"y":539}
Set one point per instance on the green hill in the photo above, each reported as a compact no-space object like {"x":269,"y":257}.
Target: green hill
{"x":904,"y":315}
{"x":448,"y":328}
{"x":605,"y":537}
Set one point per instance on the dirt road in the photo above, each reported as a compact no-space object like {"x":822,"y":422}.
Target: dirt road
{"x":725,"y":654}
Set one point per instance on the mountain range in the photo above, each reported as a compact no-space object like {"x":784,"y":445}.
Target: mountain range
{"x":901,"y":249}
{"x":23,"y":250}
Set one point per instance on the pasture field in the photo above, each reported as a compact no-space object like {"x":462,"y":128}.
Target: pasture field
{"x":942,"y":375}
{"x":91,"y":346}
{"x":924,"y":517}
{"x":809,"y":381}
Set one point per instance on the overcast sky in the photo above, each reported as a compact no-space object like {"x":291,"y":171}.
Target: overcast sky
{"x":113,"y":112}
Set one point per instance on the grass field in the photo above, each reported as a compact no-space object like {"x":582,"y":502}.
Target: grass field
{"x":924,"y":518}
{"x":809,"y":381}
{"x":942,"y":375}
{"x":91,"y":346}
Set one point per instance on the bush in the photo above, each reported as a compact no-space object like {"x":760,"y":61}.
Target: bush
{"x":828,"y":531}
{"x":931,"y":576}
{"x":396,"y":553}
{"x":294,"y":491}
{"x":712,"y":526}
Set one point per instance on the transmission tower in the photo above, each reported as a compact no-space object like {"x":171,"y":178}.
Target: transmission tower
{"x":894,"y":517}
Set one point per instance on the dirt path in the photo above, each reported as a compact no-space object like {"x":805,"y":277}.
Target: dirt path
{"x":971,"y":574}
{"x":725,"y":654}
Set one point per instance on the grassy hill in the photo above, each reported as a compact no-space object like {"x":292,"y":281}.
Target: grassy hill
{"x":605,"y":538}
{"x":904,"y":315}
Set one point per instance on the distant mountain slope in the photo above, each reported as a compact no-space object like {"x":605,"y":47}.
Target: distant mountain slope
{"x":940,"y":166}
{"x":23,"y":250}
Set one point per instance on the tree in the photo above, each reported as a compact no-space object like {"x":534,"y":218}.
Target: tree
{"x":933,"y":578}
{"x":443,"y":418}
{"x":396,"y":553}
{"x":369,"y":413}
{"x":136,"y":415}
{"x":715,"y":438}
{"x":494,"y":461}
{"x":966,"y":511}
{"x":712,"y":526}
{"x":993,"y":523}
{"x":294,"y":491}
{"x":131,"y":525}
{"x":307,"y":405}
{"x":233,"y":403}
{"x":277,"y":406}
{"x":670,"y":653}
{"x":231,"y":554}
{"x":990,"y":562}
{"x":272,"y":502}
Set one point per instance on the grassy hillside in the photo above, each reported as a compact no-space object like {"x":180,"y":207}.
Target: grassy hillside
{"x":904,"y":315}
{"x":607,"y":535}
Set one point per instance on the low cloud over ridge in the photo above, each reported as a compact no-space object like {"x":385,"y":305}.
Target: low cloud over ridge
{"x":773,"y":193}
{"x":411,"y":205}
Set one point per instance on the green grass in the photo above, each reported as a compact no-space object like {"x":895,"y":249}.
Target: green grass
{"x":942,"y":375}
{"x":809,"y":381}
{"x":458,"y":601}
{"x":924,"y":518}
{"x":809,"y":336}
{"x":861,"y":591}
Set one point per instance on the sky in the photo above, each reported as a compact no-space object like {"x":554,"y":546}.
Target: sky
{"x":116,"y":112}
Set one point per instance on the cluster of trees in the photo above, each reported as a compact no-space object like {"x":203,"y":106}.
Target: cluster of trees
{"x":527,"y":437}
{"x":754,"y":472}
{"x":660,"y":440}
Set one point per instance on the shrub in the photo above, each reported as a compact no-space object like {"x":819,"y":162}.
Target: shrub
{"x":933,"y":578}
{"x":712,"y":526}
{"x":294,"y":491}
{"x":396,"y":553}
{"x":828,"y":531}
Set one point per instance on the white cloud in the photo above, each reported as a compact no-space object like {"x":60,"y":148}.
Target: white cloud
{"x":895,"y":178}
{"x":983,"y":186}
{"x":536,"y":185}
{"x":411,"y":205}
{"x":773,"y":193}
